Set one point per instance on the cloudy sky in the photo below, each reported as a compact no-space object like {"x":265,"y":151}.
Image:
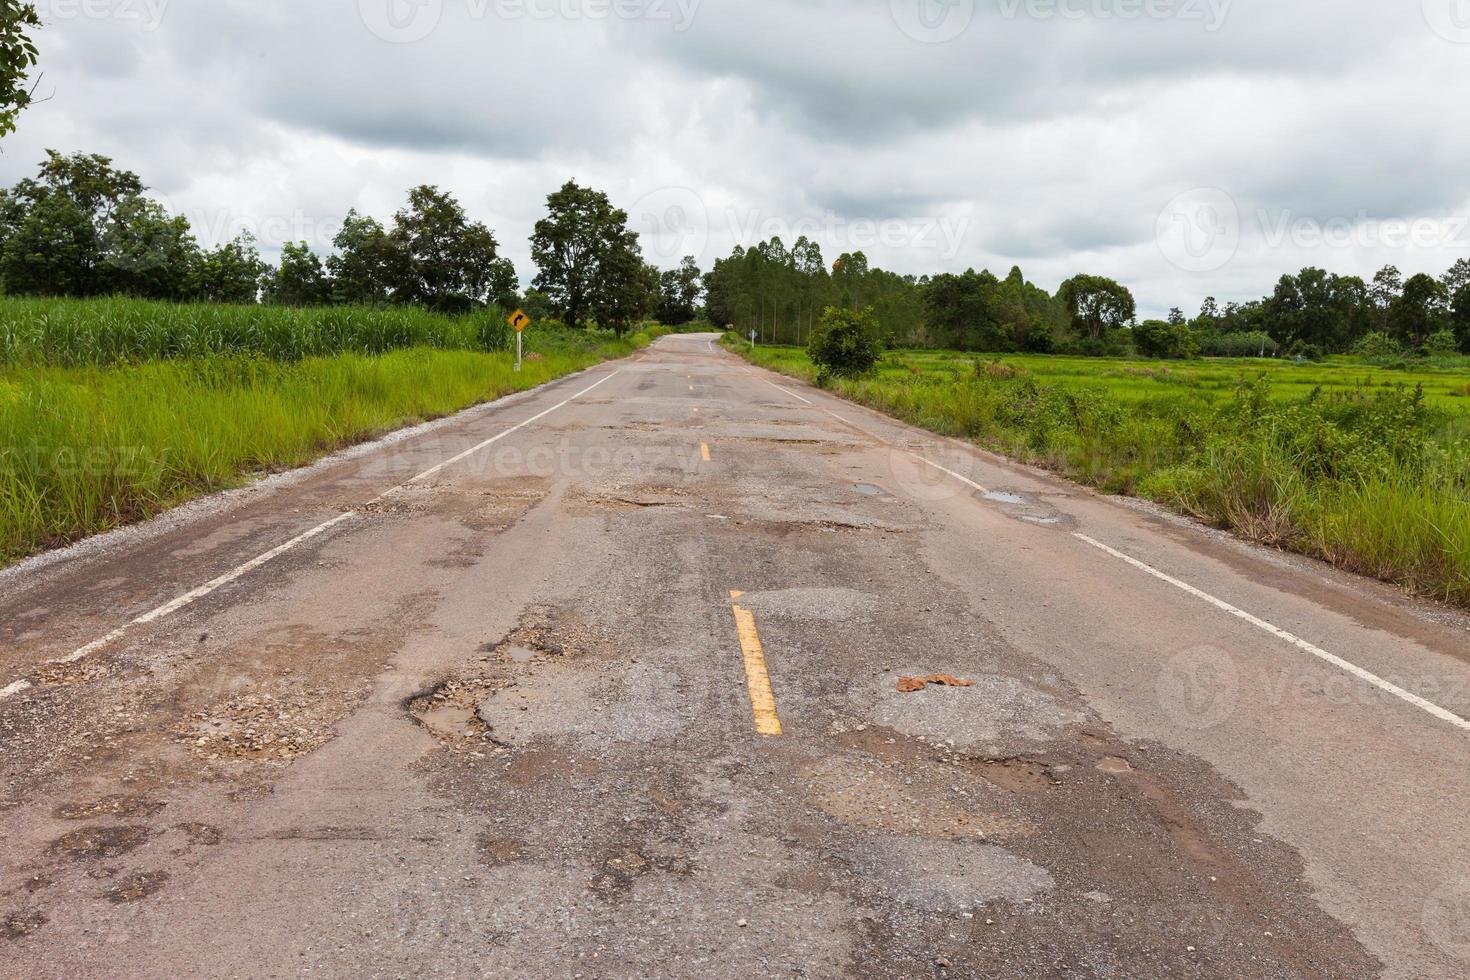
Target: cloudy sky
{"x":1184,"y":147}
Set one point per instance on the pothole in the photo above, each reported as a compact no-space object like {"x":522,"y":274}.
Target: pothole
{"x":448,"y":713}
{"x":260,"y":725}
{"x":101,"y":842}
{"x":109,"y":806}
{"x":1015,"y":775}
{"x":136,"y":887}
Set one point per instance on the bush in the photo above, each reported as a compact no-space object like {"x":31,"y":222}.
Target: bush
{"x":1376,"y":344}
{"x":1441,"y":342}
{"x":1156,"y":338}
{"x":1256,"y":343}
{"x":846,"y":343}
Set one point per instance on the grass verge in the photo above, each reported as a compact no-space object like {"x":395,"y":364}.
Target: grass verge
{"x":1373,"y":478}
{"x":85,"y":449}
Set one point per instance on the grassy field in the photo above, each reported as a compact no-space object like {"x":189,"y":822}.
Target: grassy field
{"x":1363,"y":466}
{"x":86,"y":448}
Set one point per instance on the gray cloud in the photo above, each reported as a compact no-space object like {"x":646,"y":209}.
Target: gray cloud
{"x":1050,"y":139}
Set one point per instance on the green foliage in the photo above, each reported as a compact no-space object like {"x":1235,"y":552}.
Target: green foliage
{"x":1376,"y":344}
{"x":115,"y":331}
{"x":18,"y":55}
{"x":846,"y":343}
{"x":679,"y":291}
{"x":1097,"y":305}
{"x":1158,"y":338}
{"x":437,"y":257}
{"x":589,"y":261}
{"x":1440,"y":342}
{"x":1251,"y":344}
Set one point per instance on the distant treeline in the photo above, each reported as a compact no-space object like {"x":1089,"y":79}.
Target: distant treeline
{"x":83,"y":228}
{"x":779,"y":293}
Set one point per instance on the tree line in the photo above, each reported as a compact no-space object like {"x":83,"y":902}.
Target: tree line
{"x":82,"y":227}
{"x":779,"y":293}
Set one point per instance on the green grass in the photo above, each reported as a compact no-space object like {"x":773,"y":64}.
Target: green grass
{"x":72,"y":332}
{"x":87,"y":448}
{"x":1364,"y":466}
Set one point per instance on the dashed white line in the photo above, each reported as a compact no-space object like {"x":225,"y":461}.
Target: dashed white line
{"x":213,"y":585}
{"x":1296,"y":641}
{"x":791,"y":393}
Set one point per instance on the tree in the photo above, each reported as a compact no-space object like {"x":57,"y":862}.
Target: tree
{"x":1388,"y":283}
{"x":147,"y":252}
{"x":361,"y":269}
{"x":1160,"y":338}
{"x":18,"y":55}
{"x":1418,"y":311}
{"x":627,"y":287}
{"x":956,"y":304}
{"x":54,"y":228}
{"x":846,"y":343}
{"x":679,"y":293}
{"x":1460,"y":318}
{"x":300,"y":280}
{"x":1097,"y":305}
{"x":1317,"y":309}
{"x":581,"y":231}
{"x":1457,"y":278}
{"x":231,"y":273}
{"x":440,"y":258}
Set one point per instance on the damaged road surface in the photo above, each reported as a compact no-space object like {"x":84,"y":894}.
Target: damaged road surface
{"x":507,"y":719}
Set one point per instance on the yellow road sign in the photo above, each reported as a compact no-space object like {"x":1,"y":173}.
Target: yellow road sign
{"x":519,"y":320}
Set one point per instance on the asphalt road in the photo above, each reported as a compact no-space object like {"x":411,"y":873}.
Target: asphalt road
{"x":500,"y":698}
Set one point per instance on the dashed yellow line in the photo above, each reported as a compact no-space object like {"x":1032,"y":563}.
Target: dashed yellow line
{"x":704,"y":451}
{"x":757,"y":679}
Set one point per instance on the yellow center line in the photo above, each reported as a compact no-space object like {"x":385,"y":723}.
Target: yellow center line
{"x":757,"y":679}
{"x":704,"y":451}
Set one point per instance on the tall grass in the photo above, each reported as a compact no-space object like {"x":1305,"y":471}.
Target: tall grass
{"x":86,"y":448}
{"x":1371,"y":478}
{"x":73,"y":332}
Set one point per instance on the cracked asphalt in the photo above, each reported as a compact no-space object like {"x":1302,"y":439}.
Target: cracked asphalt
{"x":500,"y":722}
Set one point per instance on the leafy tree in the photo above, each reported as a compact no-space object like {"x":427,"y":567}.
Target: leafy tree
{"x":1460,"y":318}
{"x":361,"y":269}
{"x":1419,"y":310}
{"x":1387,"y":284}
{"x":846,"y":343}
{"x":957,"y":304}
{"x":18,"y":55}
{"x":1457,"y":278}
{"x":442,"y":259}
{"x":300,"y":280}
{"x":627,"y":287}
{"x":147,"y":252}
{"x":679,"y":293}
{"x":1317,"y":308}
{"x":1162,"y":339}
{"x":231,"y":273}
{"x":1097,"y":305}
{"x":54,"y":228}
{"x":581,"y":232}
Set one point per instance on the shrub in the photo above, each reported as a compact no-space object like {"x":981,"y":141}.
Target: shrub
{"x":1441,"y":342}
{"x":846,"y":343}
{"x":1156,"y":338}
{"x":1255,"y":343}
{"x":1376,"y":344}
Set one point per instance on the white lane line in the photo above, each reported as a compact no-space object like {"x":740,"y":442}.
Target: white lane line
{"x":965,"y":480}
{"x":515,"y":428}
{"x":175,"y":605}
{"x":213,"y":585}
{"x":1296,"y":641}
{"x":784,"y":391}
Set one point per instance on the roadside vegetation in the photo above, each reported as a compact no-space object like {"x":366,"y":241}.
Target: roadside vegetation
{"x":97,"y":430}
{"x":1363,"y":466}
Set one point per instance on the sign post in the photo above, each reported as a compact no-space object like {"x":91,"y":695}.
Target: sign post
{"x":519,"y":321}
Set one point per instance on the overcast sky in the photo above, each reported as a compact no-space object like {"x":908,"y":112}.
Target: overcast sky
{"x":1184,"y":147}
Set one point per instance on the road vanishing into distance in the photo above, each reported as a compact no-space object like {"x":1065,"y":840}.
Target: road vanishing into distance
{"x":608,"y":679}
